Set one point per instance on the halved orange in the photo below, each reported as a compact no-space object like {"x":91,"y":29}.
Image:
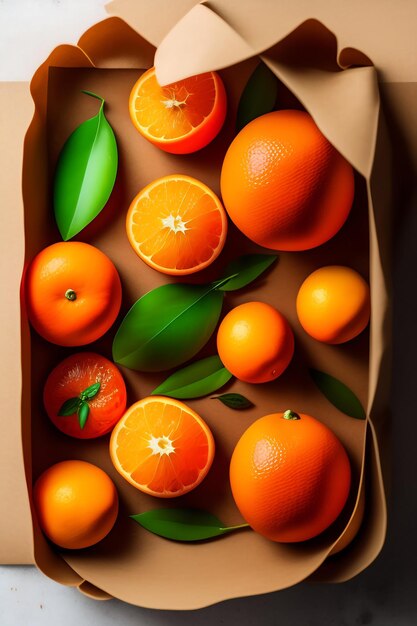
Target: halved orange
{"x":181,"y":117}
{"x":162,"y":447}
{"x":177,"y":225}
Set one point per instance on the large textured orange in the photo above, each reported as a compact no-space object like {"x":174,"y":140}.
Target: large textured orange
{"x":162,"y":447}
{"x":73,"y":293}
{"x":333,"y":304}
{"x":70,"y":378}
{"x":255,"y":342}
{"x":181,"y":117}
{"x":76,"y":504}
{"x":290,"y":476}
{"x":177,"y":225}
{"x":284,"y":185}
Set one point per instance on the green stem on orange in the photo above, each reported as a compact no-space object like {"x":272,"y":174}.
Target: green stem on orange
{"x":290,"y":415}
{"x":70,"y":295}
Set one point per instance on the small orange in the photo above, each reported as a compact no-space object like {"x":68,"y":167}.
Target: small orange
{"x":255,"y":342}
{"x":70,"y":381}
{"x":283,"y":183}
{"x":76,"y":504}
{"x":162,"y":447}
{"x":333,"y":304}
{"x":73,"y":293}
{"x":290,"y":476}
{"x":177,"y":225}
{"x":181,"y":117}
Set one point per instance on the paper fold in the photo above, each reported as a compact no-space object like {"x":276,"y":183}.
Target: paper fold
{"x":345,"y":104}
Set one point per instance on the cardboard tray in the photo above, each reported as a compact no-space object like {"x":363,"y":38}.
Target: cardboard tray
{"x":338,"y":86}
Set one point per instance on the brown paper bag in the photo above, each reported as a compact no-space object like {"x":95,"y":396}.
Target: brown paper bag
{"x":308,"y":59}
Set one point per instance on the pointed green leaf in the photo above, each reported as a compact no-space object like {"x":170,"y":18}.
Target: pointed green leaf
{"x":90,"y":392}
{"x":85,"y":174}
{"x":234,"y":401}
{"x":258,"y":97}
{"x":338,"y":394}
{"x":183,"y":524}
{"x":246,"y":269}
{"x":83,"y":413}
{"x":69,"y":407}
{"x":167,"y":326}
{"x":195,"y":380}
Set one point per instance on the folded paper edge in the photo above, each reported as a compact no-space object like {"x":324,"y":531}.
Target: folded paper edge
{"x":339,"y":570}
{"x":88,"y":64}
{"x":151,"y":20}
{"x":202,"y":25}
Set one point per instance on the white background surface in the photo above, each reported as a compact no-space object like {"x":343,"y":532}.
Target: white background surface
{"x":384,"y":595}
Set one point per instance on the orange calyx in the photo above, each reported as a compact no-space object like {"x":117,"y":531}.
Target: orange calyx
{"x":290,"y":415}
{"x":70,"y":295}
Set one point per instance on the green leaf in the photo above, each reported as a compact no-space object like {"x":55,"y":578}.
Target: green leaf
{"x":246,"y":269}
{"x":69,"y":407}
{"x":83,"y":412}
{"x":183,"y":524}
{"x":234,"y":401}
{"x":90,"y":392}
{"x":258,"y":97}
{"x":167,"y":326}
{"x":338,"y":394}
{"x":195,"y":380}
{"x":85,"y":174}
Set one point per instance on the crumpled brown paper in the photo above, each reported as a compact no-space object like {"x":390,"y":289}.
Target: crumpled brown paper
{"x":308,"y":59}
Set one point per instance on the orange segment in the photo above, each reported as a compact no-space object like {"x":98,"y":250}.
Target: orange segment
{"x":181,"y":117}
{"x":162,"y":447}
{"x":177,"y":225}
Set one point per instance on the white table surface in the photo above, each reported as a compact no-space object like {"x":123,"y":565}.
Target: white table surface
{"x":384,"y":595}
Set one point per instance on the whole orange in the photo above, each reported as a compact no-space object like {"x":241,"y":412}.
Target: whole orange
{"x":255,"y":342}
{"x":72,"y":382}
{"x":283,"y":183}
{"x":290,"y":476}
{"x":76,"y":504}
{"x":73,"y":293}
{"x":333,"y":304}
